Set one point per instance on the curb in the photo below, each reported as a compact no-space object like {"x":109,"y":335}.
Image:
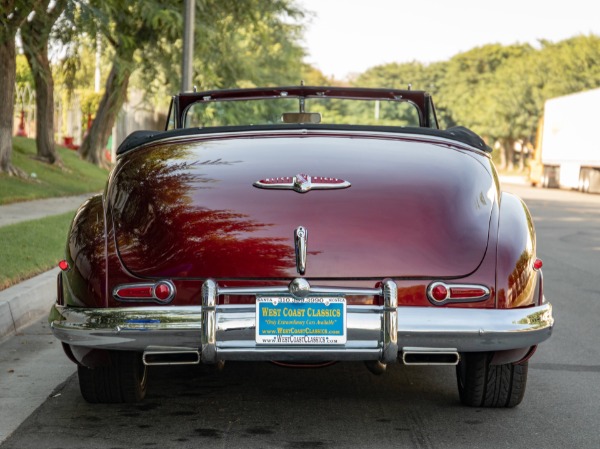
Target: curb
{"x":26,"y":302}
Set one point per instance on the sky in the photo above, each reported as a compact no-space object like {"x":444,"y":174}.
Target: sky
{"x":346,"y":37}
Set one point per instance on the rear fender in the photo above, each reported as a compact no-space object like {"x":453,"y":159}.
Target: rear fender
{"x":518,"y":284}
{"x":83,"y":284}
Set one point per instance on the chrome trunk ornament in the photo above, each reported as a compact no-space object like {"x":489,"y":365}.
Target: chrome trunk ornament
{"x":302,"y":183}
{"x":300,"y":244}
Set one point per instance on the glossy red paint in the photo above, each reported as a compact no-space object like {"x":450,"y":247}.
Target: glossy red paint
{"x":99,"y":269}
{"x":84,"y":285}
{"x":412,"y":211}
{"x":516,"y":278}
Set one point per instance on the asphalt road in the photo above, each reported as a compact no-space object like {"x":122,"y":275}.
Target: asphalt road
{"x":258,"y":405}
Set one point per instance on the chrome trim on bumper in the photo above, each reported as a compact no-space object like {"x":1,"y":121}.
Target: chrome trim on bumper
{"x":227,"y":332}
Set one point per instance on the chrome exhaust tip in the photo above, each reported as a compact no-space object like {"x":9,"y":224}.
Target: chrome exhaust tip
{"x":430,"y":356}
{"x":376,"y":367}
{"x":153,"y":358}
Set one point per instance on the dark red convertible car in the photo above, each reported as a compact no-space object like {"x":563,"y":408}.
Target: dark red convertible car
{"x":303,"y":225}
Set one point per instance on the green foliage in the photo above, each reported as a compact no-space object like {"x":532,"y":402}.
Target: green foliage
{"x":397,"y":76}
{"x":32,"y":247}
{"x":24,"y":75}
{"x":46,"y":181}
{"x":464,"y":91}
{"x":499,"y":91}
{"x":237,"y":44}
{"x":569,"y":66}
{"x":314,"y":77}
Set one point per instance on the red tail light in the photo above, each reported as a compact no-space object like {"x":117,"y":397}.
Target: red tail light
{"x":440,"y":293}
{"x":468,"y":292}
{"x":134,"y":292}
{"x":162,"y":292}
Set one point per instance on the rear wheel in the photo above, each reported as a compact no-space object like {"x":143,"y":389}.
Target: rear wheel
{"x":124,"y":380}
{"x":483,"y":385}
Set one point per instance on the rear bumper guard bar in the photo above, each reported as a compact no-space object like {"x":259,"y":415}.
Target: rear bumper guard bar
{"x":227,"y":332}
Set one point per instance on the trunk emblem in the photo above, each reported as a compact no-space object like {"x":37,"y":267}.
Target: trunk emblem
{"x":302,"y":183}
{"x":300,"y":244}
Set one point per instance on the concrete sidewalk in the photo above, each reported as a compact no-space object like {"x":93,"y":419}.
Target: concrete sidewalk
{"x":32,"y":367}
{"x":23,"y":303}
{"x":32,"y":210}
{"x":32,"y":363}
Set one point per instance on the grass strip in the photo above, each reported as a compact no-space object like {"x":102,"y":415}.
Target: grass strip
{"x":47,"y":181}
{"x":32,"y":247}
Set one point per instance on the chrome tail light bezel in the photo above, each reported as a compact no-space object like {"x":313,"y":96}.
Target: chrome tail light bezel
{"x":453,"y":295}
{"x":152,"y":297}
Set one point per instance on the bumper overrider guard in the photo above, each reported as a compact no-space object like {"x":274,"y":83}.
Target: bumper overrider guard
{"x":212,"y":332}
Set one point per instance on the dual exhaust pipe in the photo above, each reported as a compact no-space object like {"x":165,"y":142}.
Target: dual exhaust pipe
{"x":158,"y":358}
{"x":418,"y":356}
{"x":429,"y":356}
{"x":408,"y":356}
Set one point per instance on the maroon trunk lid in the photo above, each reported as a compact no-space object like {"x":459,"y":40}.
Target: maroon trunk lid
{"x":414,"y":208}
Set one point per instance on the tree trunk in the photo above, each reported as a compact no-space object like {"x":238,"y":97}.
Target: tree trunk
{"x":44,"y":102}
{"x":508,"y":146}
{"x":502,"y":156}
{"x":34,"y":35}
{"x":12,"y":16}
{"x":7,"y":102}
{"x":93,"y":146}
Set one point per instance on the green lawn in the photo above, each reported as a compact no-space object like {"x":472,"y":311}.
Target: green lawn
{"x":35,"y":246}
{"x":32,"y":247}
{"x":46,"y":181}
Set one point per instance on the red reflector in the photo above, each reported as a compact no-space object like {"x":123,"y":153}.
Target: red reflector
{"x":63,"y":265}
{"x":439,"y":292}
{"x":163,"y":291}
{"x":135,"y":292}
{"x":537,"y":264}
{"x":463,"y":293}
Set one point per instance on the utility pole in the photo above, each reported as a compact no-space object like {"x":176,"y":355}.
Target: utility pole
{"x":188,"y":45}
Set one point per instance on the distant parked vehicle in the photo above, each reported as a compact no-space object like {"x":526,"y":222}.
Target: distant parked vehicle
{"x":568,"y":153}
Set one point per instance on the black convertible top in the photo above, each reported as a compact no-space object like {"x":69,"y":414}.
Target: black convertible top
{"x":457,"y":133}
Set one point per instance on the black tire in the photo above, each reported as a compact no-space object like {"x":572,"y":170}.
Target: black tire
{"x":124,"y":380}
{"x":483,"y":385}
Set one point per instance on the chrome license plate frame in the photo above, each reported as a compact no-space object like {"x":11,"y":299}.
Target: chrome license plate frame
{"x":309,"y":321}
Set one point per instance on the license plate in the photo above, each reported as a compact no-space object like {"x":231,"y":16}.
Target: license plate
{"x":310,"y":321}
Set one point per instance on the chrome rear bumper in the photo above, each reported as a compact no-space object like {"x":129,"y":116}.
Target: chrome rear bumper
{"x":227,"y":332}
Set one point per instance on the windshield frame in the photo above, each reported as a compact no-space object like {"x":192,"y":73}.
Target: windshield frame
{"x":421,"y":100}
